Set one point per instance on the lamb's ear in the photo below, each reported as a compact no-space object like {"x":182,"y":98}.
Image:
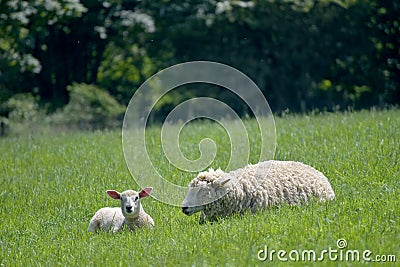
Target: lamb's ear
{"x":114,"y":194}
{"x":145,"y":192}
{"x":222,"y":181}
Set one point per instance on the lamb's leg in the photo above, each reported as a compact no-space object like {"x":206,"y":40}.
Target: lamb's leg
{"x":117,"y":227}
{"x":93,"y":226}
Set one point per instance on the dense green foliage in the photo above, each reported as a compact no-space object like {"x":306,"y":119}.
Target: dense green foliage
{"x":51,"y":185}
{"x":302,"y":54}
{"x":22,"y":112}
{"x":89,"y":107}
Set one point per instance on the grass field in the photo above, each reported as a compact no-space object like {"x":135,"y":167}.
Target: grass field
{"x":51,"y":185}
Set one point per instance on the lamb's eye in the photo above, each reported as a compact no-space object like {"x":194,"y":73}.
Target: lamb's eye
{"x":136,"y":198}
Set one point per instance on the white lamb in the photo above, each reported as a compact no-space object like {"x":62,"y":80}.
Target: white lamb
{"x":217,"y":194}
{"x":131,"y":213}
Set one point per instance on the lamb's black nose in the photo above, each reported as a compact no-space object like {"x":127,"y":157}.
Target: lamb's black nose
{"x":128,"y":209}
{"x":185,"y":210}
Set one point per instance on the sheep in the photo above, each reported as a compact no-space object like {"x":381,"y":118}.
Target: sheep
{"x":131,"y":213}
{"x":216,"y":194}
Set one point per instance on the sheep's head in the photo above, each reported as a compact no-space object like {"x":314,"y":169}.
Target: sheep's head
{"x":203,"y":191}
{"x":130,"y":200}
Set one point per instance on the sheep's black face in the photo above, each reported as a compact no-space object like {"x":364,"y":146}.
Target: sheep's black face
{"x":197,"y":198}
{"x":191,"y":210}
{"x":204,"y":192}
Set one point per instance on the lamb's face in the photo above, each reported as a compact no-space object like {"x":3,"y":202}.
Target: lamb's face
{"x":130,"y":200}
{"x":202,"y":194}
{"x":130,"y":203}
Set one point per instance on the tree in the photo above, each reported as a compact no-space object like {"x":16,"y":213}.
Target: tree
{"x":385,"y":27}
{"x":58,"y":43}
{"x":303,"y":54}
{"x":23,"y":24}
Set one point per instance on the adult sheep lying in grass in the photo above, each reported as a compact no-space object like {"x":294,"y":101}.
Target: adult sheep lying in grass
{"x":131,"y":212}
{"x":217,"y":194}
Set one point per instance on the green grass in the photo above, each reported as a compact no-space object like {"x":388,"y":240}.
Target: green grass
{"x":51,"y":185}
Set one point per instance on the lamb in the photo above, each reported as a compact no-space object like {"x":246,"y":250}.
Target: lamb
{"x":216,"y":194}
{"x":131,"y":213}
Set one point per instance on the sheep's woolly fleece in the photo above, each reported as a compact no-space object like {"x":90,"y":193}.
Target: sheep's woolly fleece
{"x":254,"y":187}
{"x":107,"y":219}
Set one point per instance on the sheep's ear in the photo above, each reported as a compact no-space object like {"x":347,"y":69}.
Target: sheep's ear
{"x":114,"y":194}
{"x":222,"y":181}
{"x":145,"y":192}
